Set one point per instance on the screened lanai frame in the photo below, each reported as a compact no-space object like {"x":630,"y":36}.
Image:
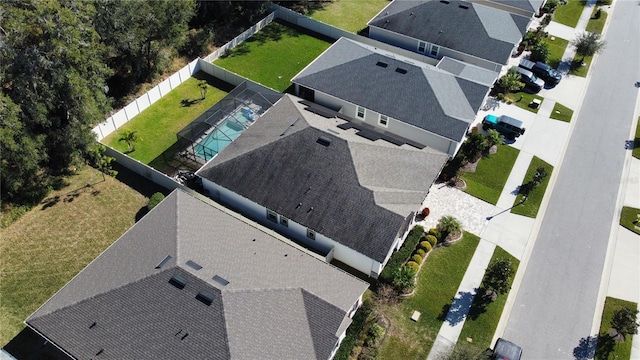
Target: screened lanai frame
{"x":249,"y":99}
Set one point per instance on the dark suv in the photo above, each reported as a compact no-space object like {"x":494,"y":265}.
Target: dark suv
{"x":545,"y":72}
{"x":506,"y":350}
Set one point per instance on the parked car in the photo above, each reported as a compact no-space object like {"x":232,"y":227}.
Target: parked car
{"x":530,"y":81}
{"x":549,"y":75}
{"x":506,"y":350}
{"x":511,"y":128}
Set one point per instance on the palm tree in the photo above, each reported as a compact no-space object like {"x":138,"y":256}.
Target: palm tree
{"x":130,"y":137}
{"x":449,"y":225}
{"x":494,"y":138}
{"x":510,"y":82}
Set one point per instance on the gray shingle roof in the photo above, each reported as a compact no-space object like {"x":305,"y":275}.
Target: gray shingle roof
{"x":469,"y":27}
{"x":138,"y":312}
{"x":531,"y":6}
{"x":424,"y":96}
{"x":339,"y":181}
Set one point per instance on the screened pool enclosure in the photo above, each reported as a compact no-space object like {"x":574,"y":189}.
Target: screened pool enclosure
{"x":217,"y":127}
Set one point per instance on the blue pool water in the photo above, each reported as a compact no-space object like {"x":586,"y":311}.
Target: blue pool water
{"x":224,"y":133}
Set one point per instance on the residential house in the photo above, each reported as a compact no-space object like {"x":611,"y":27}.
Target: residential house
{"x":194,"y":281}
{"x":432,"y":106}
{"x":349,"y":193}
{"x":476,"y":32}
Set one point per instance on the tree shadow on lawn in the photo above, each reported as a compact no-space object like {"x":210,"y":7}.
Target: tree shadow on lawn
{"x":459,"y":308}
{"x":139,"y":183}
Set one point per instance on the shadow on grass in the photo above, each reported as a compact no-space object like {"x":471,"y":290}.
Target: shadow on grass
{"x":189,"y":102}
{"x":139,"y":183}
{"x":168,"y":163}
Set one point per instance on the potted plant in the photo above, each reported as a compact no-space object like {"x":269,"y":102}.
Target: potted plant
{"x":425,"y":212}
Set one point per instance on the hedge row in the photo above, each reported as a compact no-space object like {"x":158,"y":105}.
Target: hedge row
{"x":353,"y":331}
{"x":399,"y":257}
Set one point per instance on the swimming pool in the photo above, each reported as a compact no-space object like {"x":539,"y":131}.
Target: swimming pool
{"x":224,"y":133}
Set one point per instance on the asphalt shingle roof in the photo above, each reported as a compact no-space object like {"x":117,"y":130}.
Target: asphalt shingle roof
{"x":469,"y":27}
{"x":140,"y":314}
{"x":360,"y":190}
{"x":423,"y":96}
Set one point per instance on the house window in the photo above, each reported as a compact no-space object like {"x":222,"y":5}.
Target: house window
{"x":272,"y":216}
{"x":434,"y":50}
{"x":422,"y":47}
{"x":384,"y":120}
{"x":360,"y":112}
{"x":311,"y":234}
{"x":284,"y":221}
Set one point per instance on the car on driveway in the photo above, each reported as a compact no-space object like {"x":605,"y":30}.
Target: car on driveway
{"x":549,"y":75}
{"x":509,"y":127}
{"x":531,"y":82}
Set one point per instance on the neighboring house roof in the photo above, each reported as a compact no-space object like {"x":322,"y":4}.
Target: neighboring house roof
{"x":418,"y":94}
{"x":355,"y":191}
{"x":469,"y":27}
{"x":530,"y":6}
{"x":279,"y":303}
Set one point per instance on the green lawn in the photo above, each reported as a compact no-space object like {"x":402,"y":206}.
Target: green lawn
{"x":158,"y":125}
{"x":482,"y":321}
{"x":627,"y":218}
{"x":580,"y":70}
{"x":350,"y":15}
{"x":274,"y":55}
{"x":636,"y":141}
{"x":522,"y":100}
{"x":569,"y":14}
{"x":557,"y":47}
{"x":561,"y":112}
{"x":596,"y":25}
{"x":52,"y":242}
{"x":488,"y":180}
{"x":438,"y":282}
{"x":532,"y":205}
{"x":608,"y":349}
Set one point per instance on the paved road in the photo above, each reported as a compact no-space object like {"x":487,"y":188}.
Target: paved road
{"x":555,"y":305}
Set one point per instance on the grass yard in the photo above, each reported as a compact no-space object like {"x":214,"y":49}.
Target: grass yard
{"x":349,"y":14}
{"x":274,"y":55}
{"x":487,"y":182}
{"x":636,"y":141}
{"x":158,"y":125}
{"x":561,"y":112}
{"x":596,"y":25}
{"x":530,"y":207}
{"x":569,"y":13}
{"x":557,"y":46}
{"x":438,"y":282}
{"x":522,"y":100}
{"x":607,"y":348}
{"x":578,"y":69}
{"x":482,"y":321}
{"x":51,"y":243}
{"x":627,"y":218}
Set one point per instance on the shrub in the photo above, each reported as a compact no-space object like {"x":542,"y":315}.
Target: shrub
{"x":359,"y":319}
{"x":500,"y":96}
{"x":417,"y":258}
{"x":435,"y":232}
{"x":395,"y":263}
{"x":432,"y":240}
{"x":421,"y":252}
{"x":427,"y":247}
{"x":154,"y":200}
{"x":539,"y":52}
{"x":374,"y":335}
{"x":449,"y":224}
{"x":413,"y":265}
{"x":403,"y":279}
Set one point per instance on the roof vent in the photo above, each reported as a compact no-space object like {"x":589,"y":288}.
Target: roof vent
{"x":92,"y":325}
{"x":324,"y":141}
{"x":382,"y":64}
{"x":220,"y":280}
{"x":444,"y":1}
{"x":401,"y":70}
{"x":178,"y":281}
{"x":463,"y":6}
{"x":193,"y":265}
{"x":204,"y":297}
{"x":100,"y":351}
{"x":163,"y":262}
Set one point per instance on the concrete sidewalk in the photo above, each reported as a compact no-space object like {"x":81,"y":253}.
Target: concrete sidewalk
{"x":509,"y":231}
